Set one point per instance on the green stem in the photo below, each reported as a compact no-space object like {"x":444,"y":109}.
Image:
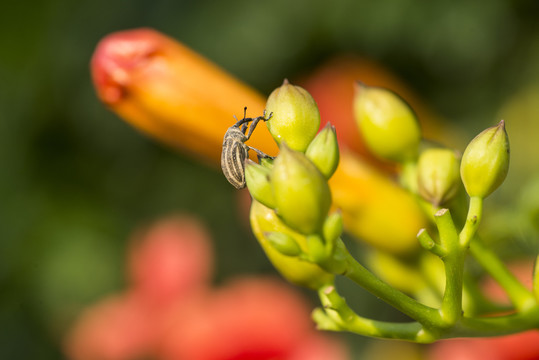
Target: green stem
{"x":475,"y":213}
{"x":429,"y":244}
{"x":451,"y":309}
{"x":360,"y":275}
{"x":495,"y":326}
{"x":519,"y":295}
{"x":339,"y":316}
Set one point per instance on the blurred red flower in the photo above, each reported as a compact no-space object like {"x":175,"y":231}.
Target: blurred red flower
{"x":170,"y":311}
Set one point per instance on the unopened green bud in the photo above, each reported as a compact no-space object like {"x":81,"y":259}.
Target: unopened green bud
{"x":302,"y":194}
{"x":283,"y":243}
{"x":388,"y":125}
{"x":438,"y":175}
{"x":323,"y":151}
{"x":485,"y":161}
{"x":295,"y":118}
{"x":257,"y":178}
{"x":333,"y":227}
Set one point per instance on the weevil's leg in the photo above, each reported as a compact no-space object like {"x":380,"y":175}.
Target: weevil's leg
{"x":244,"y":123}
{"x":266,"y":156}
{"x":269,"y":117}
{"x":259,"y":153}
{"x":254,"y":124}
{"x":244,"y":127}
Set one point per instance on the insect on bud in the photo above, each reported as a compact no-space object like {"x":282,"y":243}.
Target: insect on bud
{"x":438,"y":175}
{"x":323,"y":151}
{"x":388,"y":125}
{"x":302,"y":194}
{"x":257,"y":178}
{"x":295,"y":116}
{"x":485,"y":161}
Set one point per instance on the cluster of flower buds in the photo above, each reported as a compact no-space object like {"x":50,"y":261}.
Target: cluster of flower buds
{"x":291,"y":210}
{"x":391,"y":131}
{"x":292,"y":199}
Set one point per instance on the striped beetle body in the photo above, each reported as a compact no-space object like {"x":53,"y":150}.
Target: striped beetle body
{"x":235,"y":151}
{"x":233,"y":157}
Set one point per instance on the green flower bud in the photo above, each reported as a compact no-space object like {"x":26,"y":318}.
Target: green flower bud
{"x":485,"y":161}
{"x":438,"y":176}
{"x":323,"y":151}
{"x":302,"y":194}
{"x":263,"y":222}
{"x":283,"y":243}
{"x":333,"y":227}
{"x":388,"y":125}
{"x":257,"y":178}
{"x":295,"y":118}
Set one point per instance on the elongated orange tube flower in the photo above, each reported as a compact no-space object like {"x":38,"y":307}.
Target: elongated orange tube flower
{"x":173,"y":94}
{"x":170,"y":92}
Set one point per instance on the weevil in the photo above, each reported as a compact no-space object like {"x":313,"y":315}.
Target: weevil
{"x":235,"y":151}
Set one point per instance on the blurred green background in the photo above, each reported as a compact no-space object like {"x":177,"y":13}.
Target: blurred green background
{"x":75,"y":180}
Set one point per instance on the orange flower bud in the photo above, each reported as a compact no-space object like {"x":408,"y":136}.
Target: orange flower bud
{"x":171,"y":93}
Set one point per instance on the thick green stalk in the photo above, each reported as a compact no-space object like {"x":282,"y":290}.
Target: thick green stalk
{"x":453,"y":259}
{"x":495,"y":326}
{"x":338,"y":317}
{"x":360,"y":275}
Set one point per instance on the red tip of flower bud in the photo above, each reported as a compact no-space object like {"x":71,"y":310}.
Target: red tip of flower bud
{"x":116,"y":56}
